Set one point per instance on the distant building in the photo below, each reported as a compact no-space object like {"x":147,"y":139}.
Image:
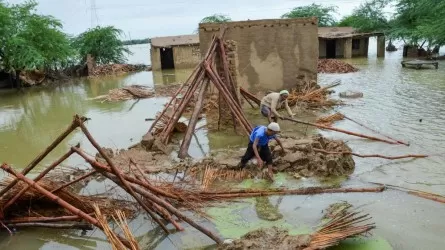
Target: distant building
{"x":346,"y":42}
{"x":175,"y":52}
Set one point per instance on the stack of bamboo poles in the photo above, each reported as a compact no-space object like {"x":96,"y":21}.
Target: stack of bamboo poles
{"x":343,"y":225}
{"x":204,"y":74}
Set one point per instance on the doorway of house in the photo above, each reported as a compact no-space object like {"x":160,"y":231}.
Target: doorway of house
{"x":167,"y":61}
{"x":331,"y":46}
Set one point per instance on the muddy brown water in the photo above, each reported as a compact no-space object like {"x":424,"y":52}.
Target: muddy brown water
{"x":394,"y":101}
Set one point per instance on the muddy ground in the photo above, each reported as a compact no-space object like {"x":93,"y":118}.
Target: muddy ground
{"x":300,"y":159}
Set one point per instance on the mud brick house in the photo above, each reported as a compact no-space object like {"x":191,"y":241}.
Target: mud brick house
{"x":175,"y":52}
{"x":270,"y":54}
{"x":346,"y":42}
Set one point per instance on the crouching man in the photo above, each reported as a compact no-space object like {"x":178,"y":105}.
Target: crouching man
{"x":258,"y":146}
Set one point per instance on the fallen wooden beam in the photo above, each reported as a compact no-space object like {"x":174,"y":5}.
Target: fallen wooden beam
{"x":340,"y":130}
{"x":372,"y":155}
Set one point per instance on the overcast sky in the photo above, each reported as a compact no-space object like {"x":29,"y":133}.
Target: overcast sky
{"x":149,"y":18}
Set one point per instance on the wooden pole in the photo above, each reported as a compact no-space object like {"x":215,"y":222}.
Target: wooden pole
{"x":98,"y":165}
{"x":170,"y":208}
{"x":398,"y":141}
{"x":302,"y":191}
{"x":249,"y":95}
{"x":43,"y":219}
{"x":117,"y":172}
{"x":75,"y":181}
{"x":162,"y":211}
{"x":340,"y":130}
{"x":232,"y":104}
{"x":182,"y":106}
{"x":372,"y":155}
{"x":50,"y":148}
{"x":39,"y":177}
{"x":74,"y":225}
{"x":183,"y":151}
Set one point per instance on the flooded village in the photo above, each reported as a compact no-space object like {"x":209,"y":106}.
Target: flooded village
{"x":186,"y":142}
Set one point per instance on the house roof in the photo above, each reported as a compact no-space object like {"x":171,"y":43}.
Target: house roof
{"x":342,"y":32}
{"x":167,"y":41}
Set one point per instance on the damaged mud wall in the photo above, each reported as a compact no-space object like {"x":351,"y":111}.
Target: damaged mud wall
{"x":272,"y":54}
{"x":183,"y":56}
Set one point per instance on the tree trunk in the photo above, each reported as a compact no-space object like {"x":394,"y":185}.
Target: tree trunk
{"x":18,"y":83}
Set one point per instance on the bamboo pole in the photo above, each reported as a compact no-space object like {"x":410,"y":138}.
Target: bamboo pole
{"x":372,"y":155}
{"x":98,"y":165}
{"x":75,"y":181}
{"x":164,"y":212}
{"x":117,"y":172}
{"x":303,"y":191}
{"x":248,"y":100}
{"x":39,"y":177}
{"x":249,"y":95}
{"x":56,"y":199}
{"x":182,"y":106}
{"x":183,"y":151}
{"x":340,"y":130}
{"x":232,"y":105}
{"x":373,"y":130}
{"x":43,"y":219}
{"x":170,"y":208}
{"x":50,"y":148}
{"x":74,"y":225}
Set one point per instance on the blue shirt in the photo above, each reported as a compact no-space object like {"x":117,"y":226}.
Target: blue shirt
{"x":260,"y":133}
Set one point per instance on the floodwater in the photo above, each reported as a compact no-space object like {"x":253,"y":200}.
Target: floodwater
{"x":404,"y":103}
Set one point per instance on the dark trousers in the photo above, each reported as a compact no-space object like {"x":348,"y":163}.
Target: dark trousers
{"x":264,"y":152}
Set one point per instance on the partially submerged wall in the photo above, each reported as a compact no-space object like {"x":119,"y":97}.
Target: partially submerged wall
{"x":184,"y":56}
{"x":272,"y":54}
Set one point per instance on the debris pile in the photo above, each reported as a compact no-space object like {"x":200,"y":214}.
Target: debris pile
{"x":127,"y":93}
{"x":344,"y":224}
{"x":117,"y":69}
{"x":334,"y":66}
{"x":312,"y":97}
{"x":330,"y":119}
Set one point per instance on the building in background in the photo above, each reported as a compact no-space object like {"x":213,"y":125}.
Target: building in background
{"x":175,"y":52}
{"x":345,"y":42}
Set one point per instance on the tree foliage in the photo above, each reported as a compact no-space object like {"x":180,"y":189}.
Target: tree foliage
{"x":29,"y":40}
{"x":102,"y":43}
{"x":216,"y":18}
{"x":368,"y":17}
{"x":325,"y":14}
{"x":419,"y":22}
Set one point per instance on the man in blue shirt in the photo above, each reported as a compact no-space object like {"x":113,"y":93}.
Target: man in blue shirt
{"x":258,"y":146}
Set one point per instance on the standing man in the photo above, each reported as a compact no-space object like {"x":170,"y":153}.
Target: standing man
{"x":258,"y":146}
{"x":273,"y":101}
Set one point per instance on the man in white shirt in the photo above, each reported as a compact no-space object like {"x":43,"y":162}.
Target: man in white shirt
{"x":273,"y":101}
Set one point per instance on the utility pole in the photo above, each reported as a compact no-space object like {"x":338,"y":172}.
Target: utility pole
{"x":93,"y":12}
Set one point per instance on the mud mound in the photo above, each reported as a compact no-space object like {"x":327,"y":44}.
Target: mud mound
{"x":269,"y":238}
{"x":301,"y":158}
{"x":334,"y":66}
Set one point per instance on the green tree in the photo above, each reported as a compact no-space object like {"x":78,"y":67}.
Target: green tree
{"x":368,"y":17}
{"x":420,"y":22}
{"x":102,"y":43}
{"x":325,"y":14}
{"x":216,"y":18}
{"x":31,"y":41}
